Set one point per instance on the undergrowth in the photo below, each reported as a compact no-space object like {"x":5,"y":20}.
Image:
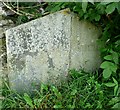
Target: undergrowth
{"x":83,"y":90}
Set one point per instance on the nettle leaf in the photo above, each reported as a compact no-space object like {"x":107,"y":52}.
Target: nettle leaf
{"x":109,"y":65}
{"x":107,"y":73}
{"x":108,"y":57}
{"x":84,"y":5}
{"x":28,"y":100}
{"x":110,"y":8}
{"x":106,"y":64}
{"x":109,"y":84}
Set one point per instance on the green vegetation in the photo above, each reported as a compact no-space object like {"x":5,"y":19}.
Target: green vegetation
{"x":97,"y":90}
{"x":83,"y":90}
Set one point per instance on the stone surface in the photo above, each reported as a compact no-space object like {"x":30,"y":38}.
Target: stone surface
{"x":84,"y":48}
{"x":43,"y":50}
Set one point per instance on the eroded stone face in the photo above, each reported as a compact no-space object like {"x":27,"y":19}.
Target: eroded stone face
{"x":85,"y":52}
{"x":44,"y":49}
{"x":38,"y":51}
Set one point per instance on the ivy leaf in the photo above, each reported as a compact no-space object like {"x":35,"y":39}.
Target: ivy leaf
{"x":84,"y":5}
{"x":110,"y":8}
{"x":109,"y":84}
{"x":28,"y":100}
{"x":107,"y":73}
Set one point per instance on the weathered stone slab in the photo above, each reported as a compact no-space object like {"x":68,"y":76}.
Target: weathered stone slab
{"x":44,"y":49}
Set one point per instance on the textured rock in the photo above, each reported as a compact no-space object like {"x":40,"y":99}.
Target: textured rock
{"x":43,"y":50}
{"x":84,"y":48}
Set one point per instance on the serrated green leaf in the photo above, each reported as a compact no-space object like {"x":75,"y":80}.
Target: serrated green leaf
{"x":84,"y":5}
{"x":28,"y":100}
{"x":108,"y":57}
{"x":110,"y":8}
{"x":109,"y":84}
{"x":109,"y":65}
{"x":106,"y":64}
{"x":107,"y":73}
